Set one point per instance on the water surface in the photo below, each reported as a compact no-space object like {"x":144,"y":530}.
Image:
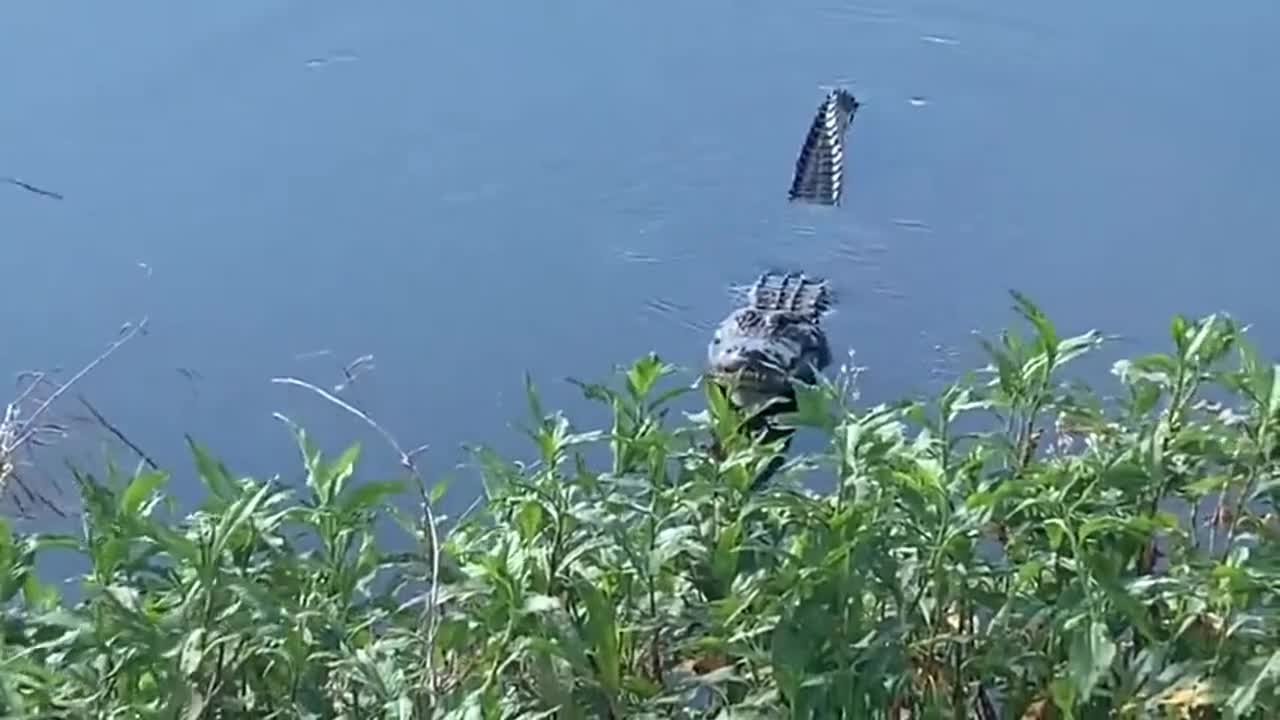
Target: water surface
{"x":472,"y":191}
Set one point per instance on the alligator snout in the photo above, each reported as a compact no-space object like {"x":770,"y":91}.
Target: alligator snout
{"x":746,"y":359}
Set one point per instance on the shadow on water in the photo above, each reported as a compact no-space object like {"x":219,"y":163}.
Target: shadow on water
{"x":469,"y":194}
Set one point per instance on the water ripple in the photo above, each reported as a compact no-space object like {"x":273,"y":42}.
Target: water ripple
{"x":848,"y":252}
{"x":861,"y":13}
{"x":888,"y":292}
{"x":331,"y":59}
{"x":637,"y":256}
{"x":912,"y":224}
{"x":663,"y":306}
{"x":676,"y":313}
{"x":939,"y":40}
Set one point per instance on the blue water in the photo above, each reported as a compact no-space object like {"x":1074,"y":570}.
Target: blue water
{"x":472,"y":191}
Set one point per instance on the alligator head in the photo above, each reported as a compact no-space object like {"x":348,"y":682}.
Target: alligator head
{"x":774,"y":338}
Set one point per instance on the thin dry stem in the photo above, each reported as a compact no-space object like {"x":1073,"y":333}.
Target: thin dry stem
{"x":17,"y":432}
{"x":407,"y":462}
{"x":29,"y":423}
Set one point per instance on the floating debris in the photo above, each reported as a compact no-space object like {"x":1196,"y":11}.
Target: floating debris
{"x":189,"y":374}
{"x":910,"y":224}
{"x":635,"y":256}
{"x":354,"y":370}
{"x":819,"y":174}
{"x":362,"y":362}
{"x":330,"y":59}
{"x":32,"y":188}
{"x":917,"y":101}
{"x":939,"y":40}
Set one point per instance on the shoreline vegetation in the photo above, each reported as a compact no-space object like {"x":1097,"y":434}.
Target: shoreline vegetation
{"x":1018,"y":546}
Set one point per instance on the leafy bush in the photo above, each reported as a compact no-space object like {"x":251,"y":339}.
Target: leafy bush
{"x":1016,"y":547}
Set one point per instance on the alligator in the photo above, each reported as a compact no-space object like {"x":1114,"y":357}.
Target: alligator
{"x":768,"y":344}
{"x":775,"y":338}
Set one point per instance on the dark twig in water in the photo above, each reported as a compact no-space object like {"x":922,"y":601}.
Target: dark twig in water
{"x":431,"y":619}
{"x":189,"y":374}
{"x":32,"y":188}
{"x":119,"y":434}
{"x":193,"y":379}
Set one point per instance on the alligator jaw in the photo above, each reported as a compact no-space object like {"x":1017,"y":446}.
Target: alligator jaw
{"x":749,"y":379}
{"x":751,"y":390}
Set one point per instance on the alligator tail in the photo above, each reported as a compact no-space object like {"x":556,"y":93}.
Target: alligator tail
{"x":819,"y":174}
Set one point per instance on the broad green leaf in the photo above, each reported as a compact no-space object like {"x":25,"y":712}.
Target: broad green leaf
{"x":1044,"y":328}
{"x":1178,"y":332}
{"x":1092,"y":651}
{"x":724,"y":558}
{"x":1058,"y":531}
{"x":1205,"y":327}
{"x":368,"y":495}
{"x":213,"y":473}
{"x":529,"y":519}
{"x":192,"y":652}
{"x":812,"y":408}
{"x":233,"y":519}
{"x":438,"y":490}
{"x":1006,"y":371}
{"x":1242,"y":699}
{"x":139,"y":489}
{"x":643,"y":374}
{"x":602,"y":633}
{"x":1064,"y":697}
{"x":1273,"y":390}
{"x":536,"y":413}
{"x":341,"y":469}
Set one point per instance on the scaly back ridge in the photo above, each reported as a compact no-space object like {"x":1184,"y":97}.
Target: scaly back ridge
{"x":790,"y":292}
{"x":819,"y":173}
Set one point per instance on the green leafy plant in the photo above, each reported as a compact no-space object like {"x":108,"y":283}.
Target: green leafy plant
{"x":1016,"y":547}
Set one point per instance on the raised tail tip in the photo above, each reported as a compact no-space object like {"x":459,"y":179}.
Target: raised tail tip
{"x":819,"y":170}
